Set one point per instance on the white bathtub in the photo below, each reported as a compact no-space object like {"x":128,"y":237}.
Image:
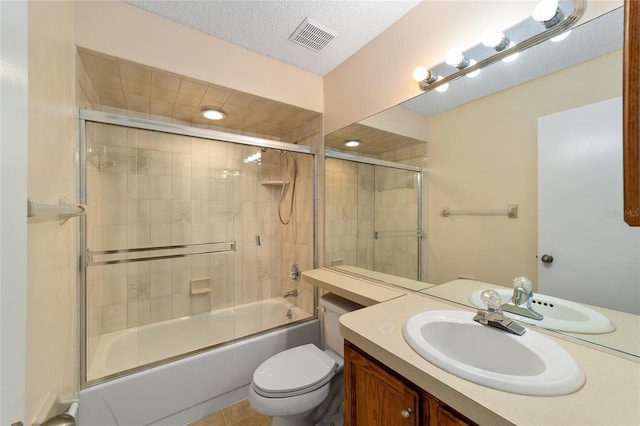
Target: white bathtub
{"x":191,"y":387}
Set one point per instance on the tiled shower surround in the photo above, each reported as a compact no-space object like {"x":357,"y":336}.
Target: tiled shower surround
{"x":150,"y":189}
{"x":370,"y":210}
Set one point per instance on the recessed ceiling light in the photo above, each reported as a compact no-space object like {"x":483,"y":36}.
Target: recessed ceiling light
{"x":352,"y":144}
{"x":213,"y":114}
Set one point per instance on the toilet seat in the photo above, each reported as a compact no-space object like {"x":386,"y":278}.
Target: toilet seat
{"x":294,"y":372}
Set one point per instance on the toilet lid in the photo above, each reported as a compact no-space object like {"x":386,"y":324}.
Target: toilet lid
{"x":294,"y":371}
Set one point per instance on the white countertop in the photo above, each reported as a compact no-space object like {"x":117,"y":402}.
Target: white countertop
{"x":356,"y":289}
{"x":610,"y":396}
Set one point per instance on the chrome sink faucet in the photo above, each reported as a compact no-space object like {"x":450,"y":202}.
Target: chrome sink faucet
{"x":493,"y":317}
{"x":520,"y":303}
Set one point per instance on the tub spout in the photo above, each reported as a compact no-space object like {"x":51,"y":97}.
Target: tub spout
{"x":291,"y":293}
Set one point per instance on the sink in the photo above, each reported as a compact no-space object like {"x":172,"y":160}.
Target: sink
{"x":559,"y":314}
{"x":530,"y":364}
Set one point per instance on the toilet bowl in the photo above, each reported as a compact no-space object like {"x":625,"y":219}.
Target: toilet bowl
{"x":290,"y":385}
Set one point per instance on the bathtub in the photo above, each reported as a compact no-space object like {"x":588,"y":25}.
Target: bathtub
{"x":188,"y":388}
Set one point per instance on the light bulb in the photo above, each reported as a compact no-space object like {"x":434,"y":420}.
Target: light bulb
{"x":442,"y":88}
{"x":420,"y":73}
{"x":492,"y":37}
{"x":495,"y":39}
{"x":213,"y":114}
{"x":513,"y":57}
{"x":475,"y":73}
{"x":545,"y":10}
{"x":560,"y":37}
{"x":454,"y":57}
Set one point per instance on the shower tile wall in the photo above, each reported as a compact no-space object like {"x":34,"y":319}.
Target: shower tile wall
{"x":152,"y":189}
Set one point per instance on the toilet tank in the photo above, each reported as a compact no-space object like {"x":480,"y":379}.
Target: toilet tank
{"x":333,"y":306}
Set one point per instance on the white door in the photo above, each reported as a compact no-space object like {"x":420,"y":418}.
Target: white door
{"x":596,"y":256}
{"x":13,"y":214}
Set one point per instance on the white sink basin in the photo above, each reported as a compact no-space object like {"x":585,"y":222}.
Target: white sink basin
{"x":530,"y":364}
{"x":559,"y":314}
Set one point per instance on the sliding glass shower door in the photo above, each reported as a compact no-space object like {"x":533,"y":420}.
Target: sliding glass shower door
{"x":373,"y":217}
{"x":187,"y":240}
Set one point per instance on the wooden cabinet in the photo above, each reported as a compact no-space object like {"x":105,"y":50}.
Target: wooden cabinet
{"x":631,"y":96}
{"x":440,"y":414}
{"x":377,"y":396}
{"x":374,"y":396}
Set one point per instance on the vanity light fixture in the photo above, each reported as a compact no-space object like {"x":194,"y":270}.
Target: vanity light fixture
{"x":475,"y":73}
{"x":548,"y":12}
{"x":352,"y":143}
{"x":213,"y":113}
{"x":556,"y":20}
{"x":513,"y":57}
{"x":455,"y":58}
{"x":560,"y":37}
{"x":442,"y":88}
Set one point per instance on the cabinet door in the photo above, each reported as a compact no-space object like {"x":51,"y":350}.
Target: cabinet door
{"x":374,"y":397}
{"x":442,"y":415}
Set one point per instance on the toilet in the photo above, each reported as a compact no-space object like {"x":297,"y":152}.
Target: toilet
{"x":290,"y":385}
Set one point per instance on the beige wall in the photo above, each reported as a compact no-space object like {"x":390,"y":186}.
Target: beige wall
{"x":118,"y":29}
{"x":52,"y":301}
{"x":379,"y":75}
{"x":401,"y":121}
{"x":484,"y":155}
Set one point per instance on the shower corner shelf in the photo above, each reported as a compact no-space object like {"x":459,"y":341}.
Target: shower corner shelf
{"x":278,"y":183}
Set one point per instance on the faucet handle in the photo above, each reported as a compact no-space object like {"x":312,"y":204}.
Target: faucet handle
{"x":524,"y":283}
{"x":492,"y":300}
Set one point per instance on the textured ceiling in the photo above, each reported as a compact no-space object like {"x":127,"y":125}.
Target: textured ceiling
{"x":265,"y":26}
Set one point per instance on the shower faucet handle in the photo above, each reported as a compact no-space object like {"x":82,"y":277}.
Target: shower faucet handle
{"x":294,"y":272}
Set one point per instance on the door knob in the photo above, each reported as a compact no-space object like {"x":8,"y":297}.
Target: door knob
{"x":546,"y":258}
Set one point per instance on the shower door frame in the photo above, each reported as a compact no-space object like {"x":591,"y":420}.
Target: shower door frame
{"x":85,"y":116}
{"x":339,"y":155}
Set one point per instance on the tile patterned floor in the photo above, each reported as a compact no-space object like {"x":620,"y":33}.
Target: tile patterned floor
{"x":240,"y":414}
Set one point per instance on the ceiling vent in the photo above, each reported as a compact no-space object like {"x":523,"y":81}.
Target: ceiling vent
{"x":313,"y":35}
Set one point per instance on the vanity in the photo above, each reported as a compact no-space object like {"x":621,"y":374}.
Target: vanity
{"x":397,"y":379}
{"x":423,"y":198}
{"x":377,"y":395}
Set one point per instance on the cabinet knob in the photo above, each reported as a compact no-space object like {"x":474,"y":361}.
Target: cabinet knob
{"x":406,"y":413}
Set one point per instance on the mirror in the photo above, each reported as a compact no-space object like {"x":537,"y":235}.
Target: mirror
{"x":477,"y":145}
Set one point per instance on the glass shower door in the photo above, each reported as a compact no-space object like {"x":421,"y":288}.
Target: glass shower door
{"x":160,"y":245}
{"x":397,"y":234}
{"x":372,"y":217}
